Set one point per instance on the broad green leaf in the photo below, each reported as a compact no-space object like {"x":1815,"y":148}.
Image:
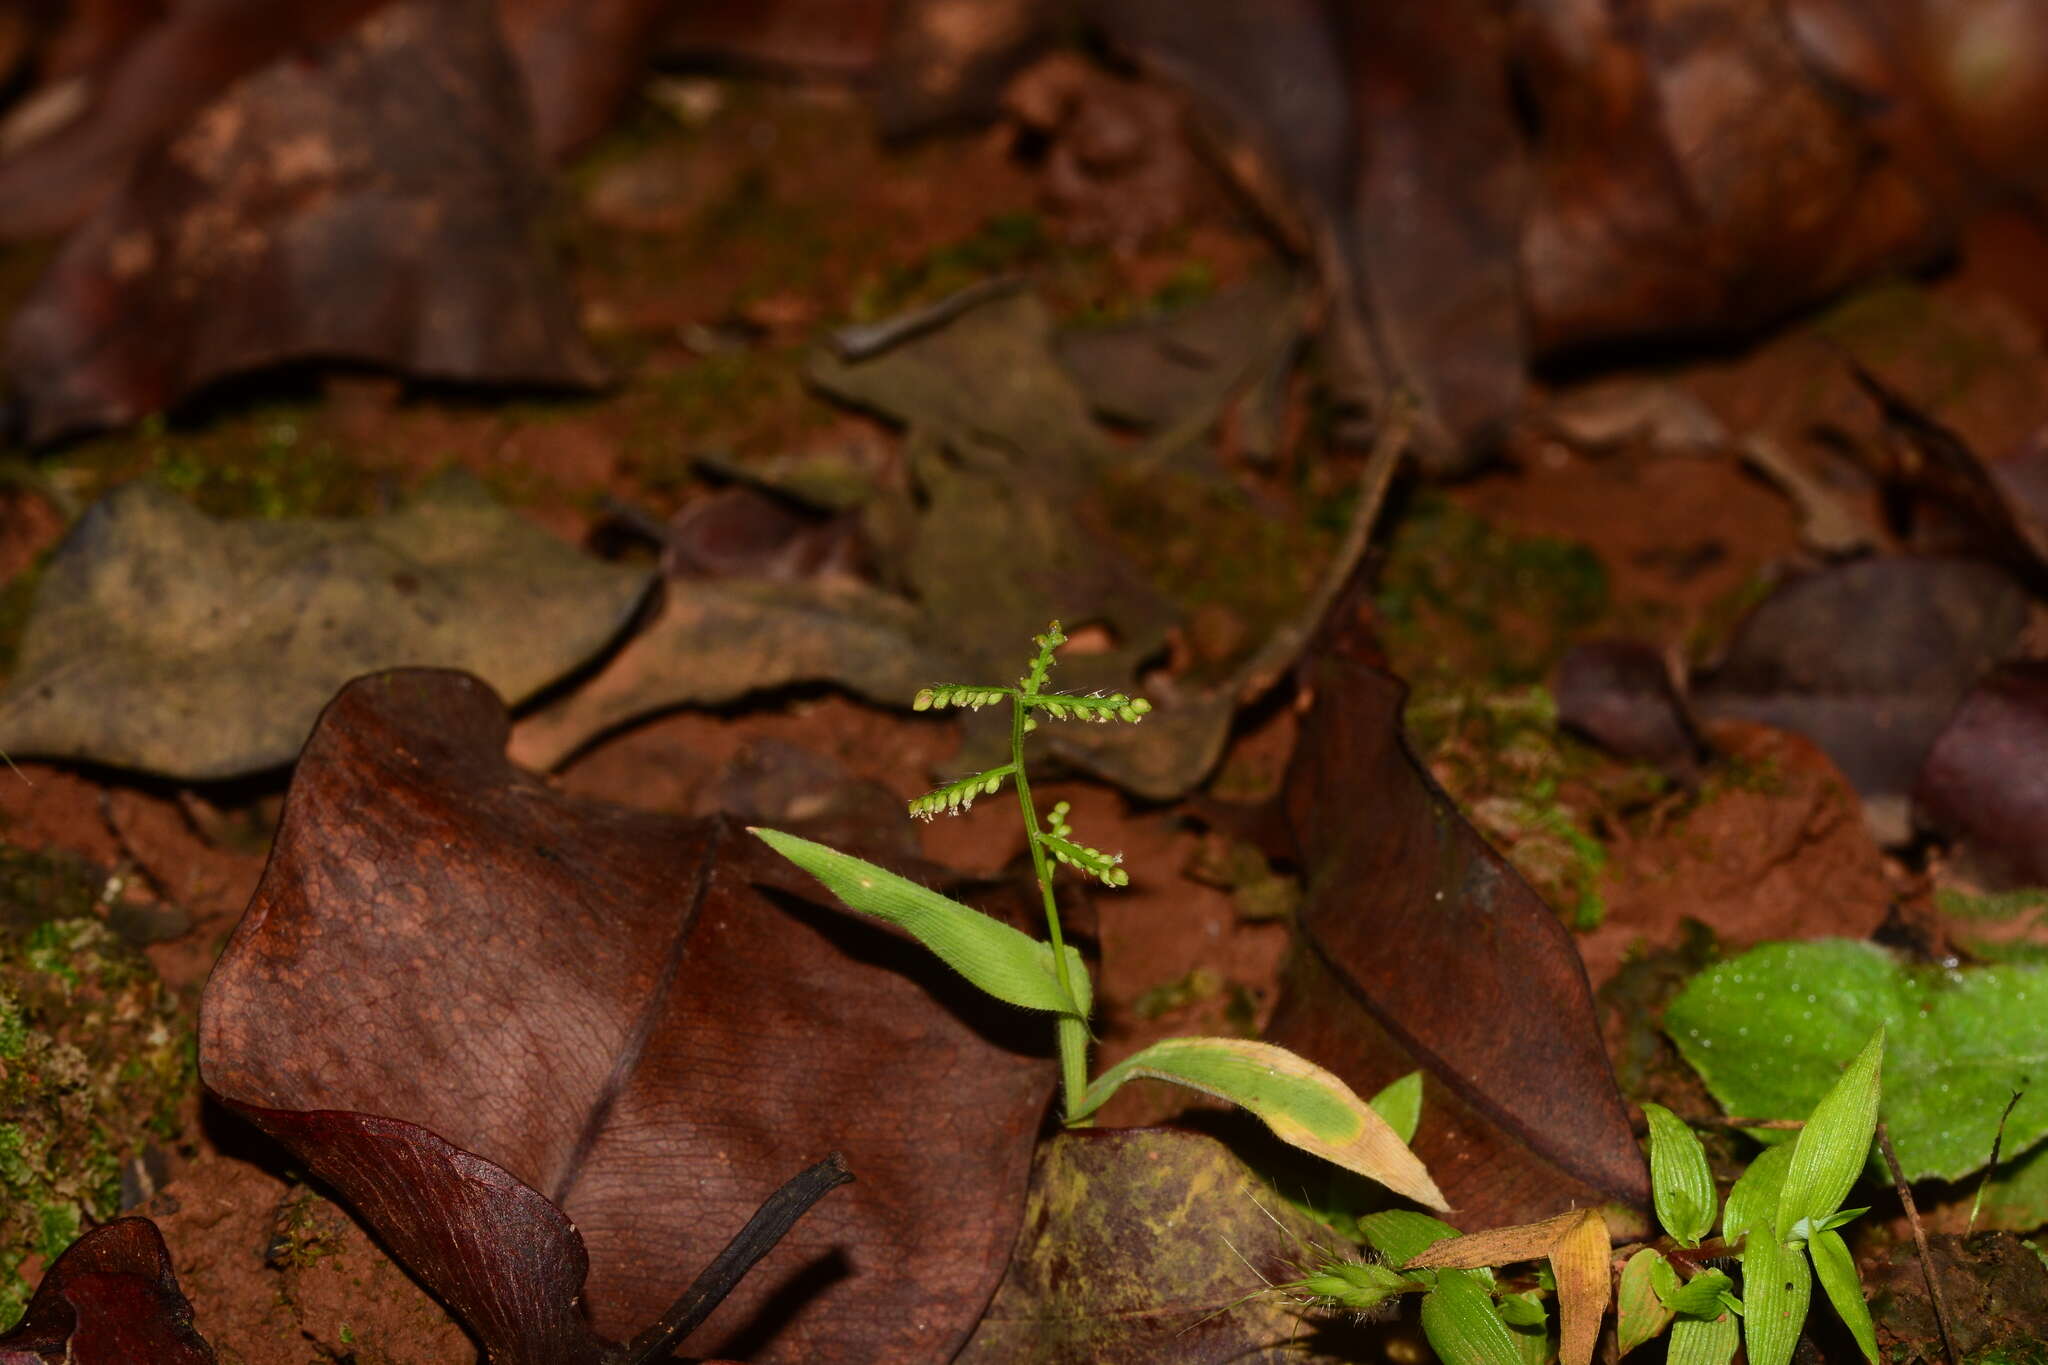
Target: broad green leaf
{"x":1768,"y":1030}
{"x":1836,"y":1270}
{"x":1700,"y":1296}
{"x":1835,"y":1143}
{"x":1462,"y":1324}
{"x":1704,"y":1341}
{"x":1753,"y":1203}
{"x":1679,"y":1178}
{"x":1401,"y":1235}
{"x":1776,"y":1284}
{"x":1301,"y":1102}
{"x":1007,"y":963}
{"x":1639,"y":1311}
{"x":1400,"y":1104}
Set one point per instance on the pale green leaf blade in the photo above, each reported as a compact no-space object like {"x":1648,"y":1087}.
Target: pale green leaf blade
{"x":1768,"y":1032}
{"x":1529,"y":1324}
{"x":1640,"y":1313}
{"x":1835,"y":1143}
{"x":1679,"y":1178}
{"x":1704,"y":1341}
{"x":1401,"y":1235}
{"x":1753,"y":1203}
{"x":1462,"y":1324}
{"x":1836,"y":1270}
{"x":1302,"y":1103}
{"x":1776,"y":1284}
{"x":1005,"y":962}
{"x":1700,"y":1296}
{"x":1400,"y":1104}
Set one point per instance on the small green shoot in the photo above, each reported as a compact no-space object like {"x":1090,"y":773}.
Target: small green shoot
{"x":1301,"y":1102}
{"x":1783,"y":1212}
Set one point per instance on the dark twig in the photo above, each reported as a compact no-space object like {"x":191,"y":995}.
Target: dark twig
{"x":1934,"y":1294}
{"x":1991,"y":1168}
{"x":774,"y":1218}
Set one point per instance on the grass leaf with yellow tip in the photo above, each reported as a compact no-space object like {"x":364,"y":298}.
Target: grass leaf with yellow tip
{"x":1302,"y":1103}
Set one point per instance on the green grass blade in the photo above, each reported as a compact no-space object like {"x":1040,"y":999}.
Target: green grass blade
{"x":1836,"y":1270}
{"x":1679,"y":1178}
{"x":1753,"y":1203}
{"x":1835,"y":1143}
{"x":1302,"y":1103}
{"x":1704,"y":1341}
{"x":1400,"y":1104}
{"x":1463,"y":1326}
{"x":1700,"y":1296}
{"x":1776,"y":1285}
{"x":1639,"y":1312}
{"x":1005,"y":962}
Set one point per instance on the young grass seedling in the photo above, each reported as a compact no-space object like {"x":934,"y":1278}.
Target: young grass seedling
{"x":1301,"y":1102}
{"x":1783,"y":1212}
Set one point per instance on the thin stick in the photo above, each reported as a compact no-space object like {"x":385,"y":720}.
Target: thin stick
{"x":1731,"y":1121}
{"x":774,"y":1218}
{"x":1934,"y":1294}
{"x":1991,"y":1168}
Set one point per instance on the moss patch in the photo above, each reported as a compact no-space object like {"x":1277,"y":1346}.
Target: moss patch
{"x":274,"y":461}
{"x":1474,"y":619}
{"x":96,"y":1061}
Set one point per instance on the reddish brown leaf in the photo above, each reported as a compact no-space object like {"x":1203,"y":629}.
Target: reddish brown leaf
{"x":111,"y":1299}
{"x":1868,"y":660}
{"x":1693,"y":174}
{"x":150,"y":73}
{"x":600,"y":1002}
{"x":1421,"y":944}
{"x":1619,"y":693}
{"x":1984,"y":784}
{"x":375,"y":203}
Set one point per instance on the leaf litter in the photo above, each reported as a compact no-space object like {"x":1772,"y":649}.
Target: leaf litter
{"x":1688,"y":569}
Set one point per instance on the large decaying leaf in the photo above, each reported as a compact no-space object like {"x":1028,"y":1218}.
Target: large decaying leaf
{"x":1769,"y":1032}
{"x":110,"y":1299}
{"x":1024,"y":512}
{"x":599,"y":1003}
{"x":1146,"y":1244}
{"x":165,"y":640}
{"x":1421,"y":945}
{"x":377,"y":201}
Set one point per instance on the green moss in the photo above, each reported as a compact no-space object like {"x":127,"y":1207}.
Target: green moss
{"x":1459,"y":597}
{"x":1004,"y":244}
{"x":274,"y":461}
{"x":1474,"y":619}
{"x":1204,"y":545}
{"x":96,"y":1059}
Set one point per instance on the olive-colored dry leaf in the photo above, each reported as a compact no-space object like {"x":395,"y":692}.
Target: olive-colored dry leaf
{"x":716,"y":641}
{"x":1024,"y":512}
{"x":168,"y":641}
{"x":1143,"y":1244}
{"x":1161,"y":371}
{"x":375,"y":201}
{"x":1421,"y":946}
{"x":111,"y":1299}
{"x":602,"y":1007}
